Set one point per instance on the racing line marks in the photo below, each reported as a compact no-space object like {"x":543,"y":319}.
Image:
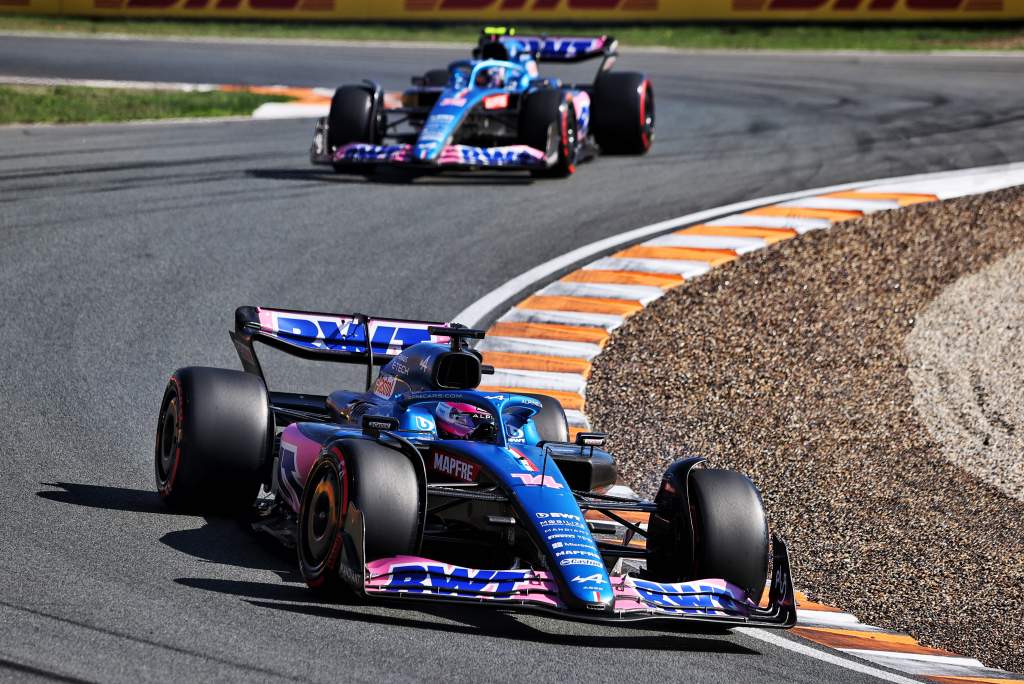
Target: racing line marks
{"x":547,"y":341}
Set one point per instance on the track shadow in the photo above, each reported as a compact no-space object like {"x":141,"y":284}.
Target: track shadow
{"x":109,"y":498}
{"x":496,"y":623}
{"x":394,"y":177}
{"x":232,"y":542}
{"x":226,"y":541}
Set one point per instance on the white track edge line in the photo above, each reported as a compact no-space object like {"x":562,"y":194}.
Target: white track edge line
{"x":477,"y":312}
{"x":810,"y":652}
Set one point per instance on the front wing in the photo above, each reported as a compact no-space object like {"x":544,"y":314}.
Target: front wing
{"x":709,"y":600}
{"x":452,"y":156}
{"x":356,"y":155}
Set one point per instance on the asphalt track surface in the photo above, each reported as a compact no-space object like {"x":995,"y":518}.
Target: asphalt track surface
{"x":124,"y":250}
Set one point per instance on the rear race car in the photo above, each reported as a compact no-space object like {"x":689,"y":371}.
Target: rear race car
{"x":494,"y":111}
{"x":423,"y":487}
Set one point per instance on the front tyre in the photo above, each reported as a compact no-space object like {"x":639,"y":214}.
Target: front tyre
{"x":382,"y":483}
{"x":212,"y":440}
{"x":709,"y":524}
{"x":622,"y":113}
{"x":730,"y":530}
{"x":352,"y":119}
{"x":547,"y":122}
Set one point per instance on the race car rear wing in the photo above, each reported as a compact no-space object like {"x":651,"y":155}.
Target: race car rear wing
{"x":339,"y":338}
{"x":556,"y":48}
{"x":569,"y":48}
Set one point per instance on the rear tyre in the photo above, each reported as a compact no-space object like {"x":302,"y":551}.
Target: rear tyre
{"x":382,"y":484}
{"x":547,"y":122}
{"x":352,"y":119}
{"x":729,"y":537}
{"x":622,"y":115}
{"x":550,"y":421}
{"x":212,"y":440}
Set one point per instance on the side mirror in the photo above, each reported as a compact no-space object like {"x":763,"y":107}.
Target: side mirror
{"x":591,"y":439}
{"x":374,"y":425}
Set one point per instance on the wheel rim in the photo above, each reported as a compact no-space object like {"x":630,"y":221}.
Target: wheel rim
{"x":647,"y":114}
{"x":168,"y":440}
{"x":322,"y":518}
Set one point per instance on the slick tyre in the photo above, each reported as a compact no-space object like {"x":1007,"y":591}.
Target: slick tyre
{"x":550,"y":421}
{"x":622,"y":114}
{"x":548,"y":123}
{"x":352,"y":118}
{"x":382,"y":483}
{"x":212,"y":440}
{"x":730,"y":530}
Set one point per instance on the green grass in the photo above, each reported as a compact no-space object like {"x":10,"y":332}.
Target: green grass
{"x":736,"y":36}
{"x":64,"y":104}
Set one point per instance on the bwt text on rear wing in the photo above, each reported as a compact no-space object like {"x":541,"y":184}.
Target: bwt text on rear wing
{"x":341,"y":338}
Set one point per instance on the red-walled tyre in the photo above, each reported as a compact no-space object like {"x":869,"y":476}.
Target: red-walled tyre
{"x":547,"y":122}
{"x":212,"y":440}
{"x":383,"y":485}
{"x":622,"y":113}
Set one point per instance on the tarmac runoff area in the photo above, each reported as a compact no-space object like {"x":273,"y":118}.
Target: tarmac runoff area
{"x":868,"y":379}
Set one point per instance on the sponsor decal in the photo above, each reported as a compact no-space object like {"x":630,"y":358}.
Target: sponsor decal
{"x":556,"y":514}
{"x":538,"y":480}
{"x":453,"y":102}
{"x":560,"y":526}
{"x":358,"y":152}
{"x":495,"y":156}
{"x":499,"y":101}
{"x":844,"y":6}
{"x":454,"y":467}
{"x":434,"y":578}
{"x":514,"y":434}
{"x":437,"y":128}
{"x":337,"y":333}
{"x":581,"y":561}
{"x":385,"y":386}
{"x":423,"y":424}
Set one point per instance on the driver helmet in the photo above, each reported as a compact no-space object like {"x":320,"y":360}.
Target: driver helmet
{"x":491,"y":77}
{"x":458,"y":421}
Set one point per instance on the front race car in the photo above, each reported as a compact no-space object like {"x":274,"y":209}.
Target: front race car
{"x":474,"y":121}
{"x":494,"y":111}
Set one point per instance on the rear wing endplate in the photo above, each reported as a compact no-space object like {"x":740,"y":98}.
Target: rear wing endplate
{"x":339,"y":338}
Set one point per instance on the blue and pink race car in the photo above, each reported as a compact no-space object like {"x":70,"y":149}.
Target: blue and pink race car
{"x":420,"y":486}
{"x":494,"y":111}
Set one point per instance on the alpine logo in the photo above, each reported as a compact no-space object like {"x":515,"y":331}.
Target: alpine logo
{"x":596,"y":578}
